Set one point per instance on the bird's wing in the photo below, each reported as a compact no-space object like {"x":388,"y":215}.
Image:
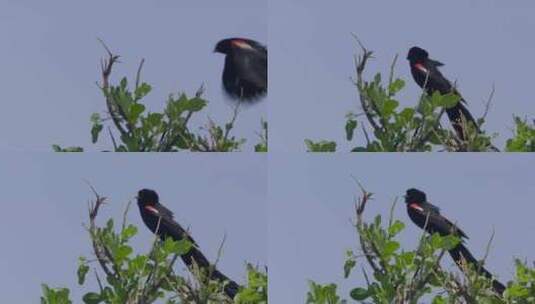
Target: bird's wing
{"x":252,"y":64}
{"x":435,"y":62}
{"x":175,"y":230}
{"x":437,"y":81}
{"x":164,"y":211}
{"x":431,"y":207}
{"x":168,"y":226}
{"x":443,"y":226}
{"x":454,"y":228}
{"x":437,"y":222}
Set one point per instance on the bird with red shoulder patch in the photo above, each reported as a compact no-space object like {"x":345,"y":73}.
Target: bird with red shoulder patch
{"x":245,"y":71}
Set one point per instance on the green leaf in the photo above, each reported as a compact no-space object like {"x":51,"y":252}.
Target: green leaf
{"x":154,"y":119}
{"x":322,"y":294}
{"x":129,"y":232}
{"x":95,"y":131}
{"x":524,"y":139}
{"x":436,"y":241}
{"x":396,"y":86}
{"x":389,"y":106}
{"x":261,"y":147}
{"x":407,"y":114}
{"x":450,"y":241}
{"x":395,"y":228}
{"x":142,"y":90}
{"x":96,"y":128}
{"x":320,"y":146}
{"x":390,"y":248}
{"x":92,"y":298}
{"x":138,"y":263}
{"x":377,"y":221}
{"x":122,"y":253}
{"x":57,"y":148}
{"x":359,"y":294}
{"x":348,"y":266}
{"x":82,"y":271}
{"x":135,"y":111}
{"x":377,"y":79}
{"x":351,"y":124}
{"x":439,"y":300}
{"x":195,"y":104}
{"x":182,"y":247}
{"x":124,"y":83}
{"x":131,"y":143}
{"x":447,"y":100}
{"x":55,"y":295}
{"x":109,"y":225}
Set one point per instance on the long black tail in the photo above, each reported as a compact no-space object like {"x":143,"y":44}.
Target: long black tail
{"x":459,"y":114}
{"x":459,"y":117}
{"x":460,"y":253}
{"x":231,"y":287}
{"x":195,"y":255}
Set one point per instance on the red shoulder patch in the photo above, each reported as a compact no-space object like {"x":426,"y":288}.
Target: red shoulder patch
{"x":241,"y":44}
{"x":417,"y":207}
{"x":420,"y":67}
{"x":152,"y":210}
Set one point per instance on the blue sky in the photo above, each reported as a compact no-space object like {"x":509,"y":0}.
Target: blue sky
{"x":46,"y":198}
{"x":311,"y":208}
{"x":482,"y":43}
{"x":50,"y":57}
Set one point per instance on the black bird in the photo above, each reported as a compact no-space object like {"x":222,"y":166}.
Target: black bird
{"x":420,"y":210}
{"x":427,"y":75}
{"x":245,"y":71}
{"x":153,"y":212}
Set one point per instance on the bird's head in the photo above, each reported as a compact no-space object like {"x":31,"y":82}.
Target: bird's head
{"x":417,"y":54}
{"x":225,"y":46}
{"x":147,"y":197}
{"x":415,"y":196}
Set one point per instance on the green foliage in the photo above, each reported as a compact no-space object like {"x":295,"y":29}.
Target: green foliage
{"x":55,"y":296}
{"x":416,"y":276}
{"x":320,"y":146}
{"x":388,"y":127}
{"x":411,"y":129}
{"x":130,"y":277}
{"x":133,"y":128}
{"x":132,"y":273}
{"x":351,"y":125}
{"x":256,"y":291}
{"x":262,"y":146}
{"x":522,"y":289}
{"x":524,"y":139}
{"x":323,"y":294}
{"x":57,"y":148}
{"x":141,"y":130}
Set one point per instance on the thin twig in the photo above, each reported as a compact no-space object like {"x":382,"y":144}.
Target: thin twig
{"x":97,"y":250}
{"x":360,"y":64}
{"x":360,"y":205}
{"x":125,"y":213}
{"x":234,"y":116}
{"x":152,"y":253}
{"x":112,"y":139}
{"x":391,"y":75}
{"x":489,"y":101}
{"x":106,"y":68}
{"x":138,"y":74}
